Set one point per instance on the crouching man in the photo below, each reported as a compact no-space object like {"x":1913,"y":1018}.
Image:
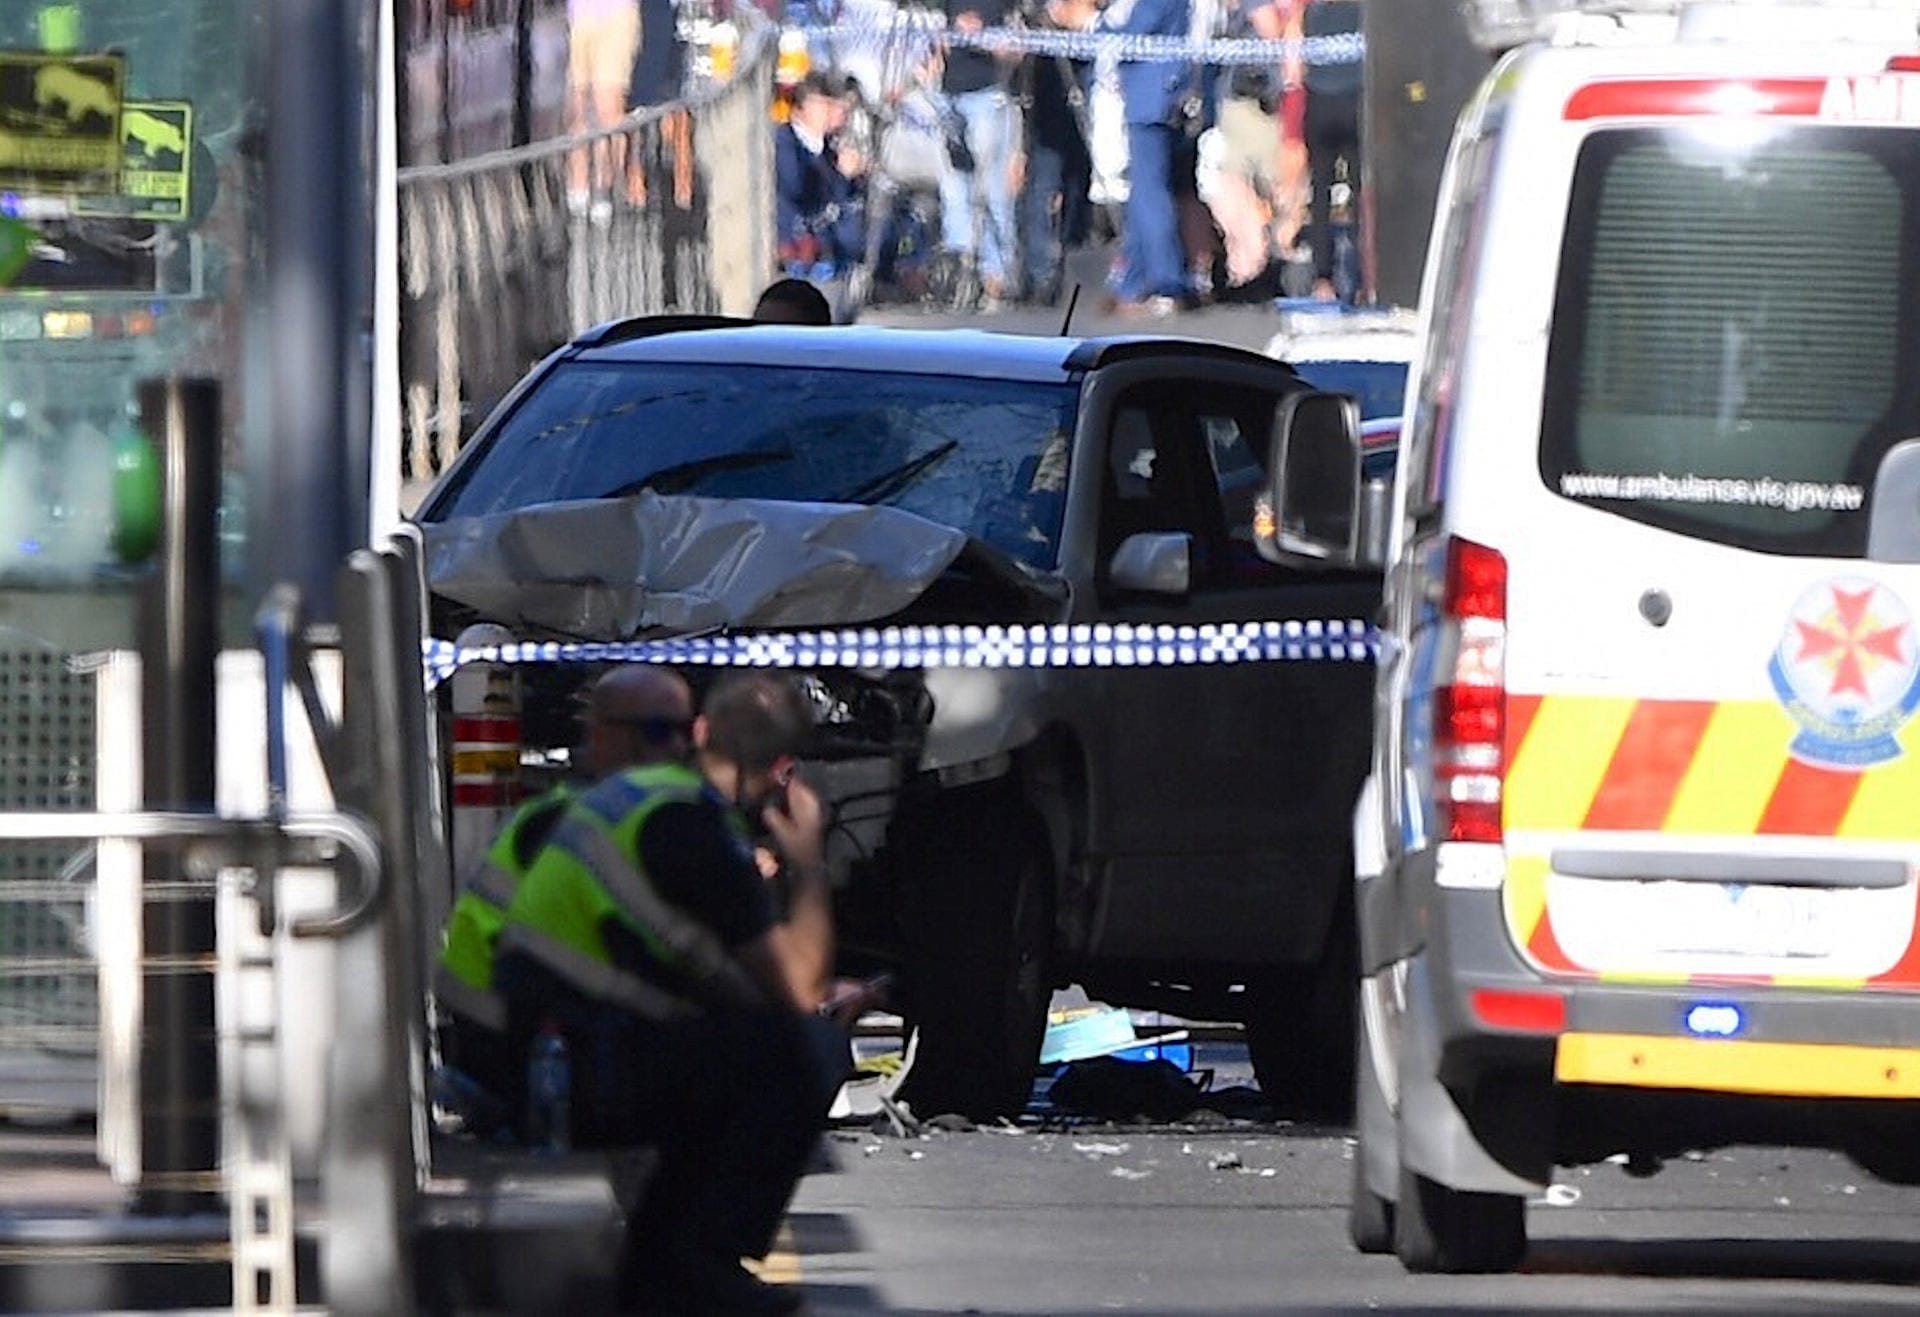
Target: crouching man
{"x":645,"y":932}
{"x":632,"y":716}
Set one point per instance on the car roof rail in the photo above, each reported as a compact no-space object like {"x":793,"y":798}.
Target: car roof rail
{"x":633,"y":327}
{"x":1096,"y":353}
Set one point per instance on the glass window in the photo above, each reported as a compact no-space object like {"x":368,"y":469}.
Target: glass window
{"x":1380,"y":387}
{"x":1432,"y":420}
{"x":986,"y":456}
{"x":1735,"y":333}
{"x":136,"y":234}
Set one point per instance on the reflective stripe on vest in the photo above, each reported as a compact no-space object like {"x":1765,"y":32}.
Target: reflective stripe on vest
{"x":590,"y":874}
{"x":596,"y":978}
{"x":493,"y":884}
{"x":679,"y":941}
{"x":480,"y":910}
{"x":484,"y":1008}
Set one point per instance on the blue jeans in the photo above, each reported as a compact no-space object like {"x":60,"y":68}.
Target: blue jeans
{"x":1052,"y":175}
{"x":1154,"y":260}
{"x":991,"y":130}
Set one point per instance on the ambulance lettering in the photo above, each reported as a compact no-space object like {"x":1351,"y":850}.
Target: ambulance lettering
{"x":1847,"y":669}
{"x":1883,"y":98}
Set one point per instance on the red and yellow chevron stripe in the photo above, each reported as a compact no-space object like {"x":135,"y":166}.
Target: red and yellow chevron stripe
{"x":1581,"y":763}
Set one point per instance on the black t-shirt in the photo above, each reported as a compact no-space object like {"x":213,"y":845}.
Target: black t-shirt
{"x":969,"y":69}
{"x":1053,"y":121}
{"x":697,"y":864}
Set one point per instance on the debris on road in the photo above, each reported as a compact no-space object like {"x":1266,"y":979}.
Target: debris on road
{"x":951,"y":1123}
{"x":1561,"y":1195}
{"x":1128,"y":1173}
{"x":897,"y":1119}
{"x":1095,"y":1151}
{"x":1226,"y":1161}
{"x":1115,"y":1089}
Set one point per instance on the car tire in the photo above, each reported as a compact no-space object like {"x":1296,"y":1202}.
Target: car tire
{"x":978,"y":925}
{"x":1894,"y":1159}
{"x":1454,"y":1231}
{"x":1369,"y":1216}
{"x":1302,"y":1027}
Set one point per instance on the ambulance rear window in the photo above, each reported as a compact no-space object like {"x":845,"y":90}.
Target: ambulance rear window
{"x":1735,"y":334}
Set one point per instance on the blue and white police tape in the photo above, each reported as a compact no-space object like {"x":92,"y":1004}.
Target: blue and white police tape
{"x":1081,"y":645}
{"x":1344,"y":48}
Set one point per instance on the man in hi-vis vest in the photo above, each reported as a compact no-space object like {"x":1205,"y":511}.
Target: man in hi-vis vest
{"x":646,"y":934}
{"x":631,"y":716}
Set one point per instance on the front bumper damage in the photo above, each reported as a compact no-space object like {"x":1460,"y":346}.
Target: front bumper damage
{"x":656,"y":567}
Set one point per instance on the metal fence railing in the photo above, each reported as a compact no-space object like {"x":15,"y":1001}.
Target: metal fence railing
{"x":505,"y":256}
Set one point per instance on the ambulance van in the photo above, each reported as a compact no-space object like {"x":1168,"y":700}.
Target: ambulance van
{"x":1636,"y":862}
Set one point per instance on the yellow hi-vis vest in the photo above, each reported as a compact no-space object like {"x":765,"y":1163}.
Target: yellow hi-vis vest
{"x":590,"y":872}
{"x":463,"y":980}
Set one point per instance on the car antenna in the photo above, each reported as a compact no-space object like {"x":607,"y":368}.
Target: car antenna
{"x":1073,"y":300}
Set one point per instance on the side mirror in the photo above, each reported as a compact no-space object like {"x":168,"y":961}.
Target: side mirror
{"x":1893,"y":533}
{"x":1313,"y":483}
{"x":1154,"y":562}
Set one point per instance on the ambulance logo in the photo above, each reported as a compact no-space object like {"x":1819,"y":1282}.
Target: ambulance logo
{"x":1848,"y":669}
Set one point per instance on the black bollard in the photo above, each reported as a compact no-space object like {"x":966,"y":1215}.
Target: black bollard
{"x":179,"y":644}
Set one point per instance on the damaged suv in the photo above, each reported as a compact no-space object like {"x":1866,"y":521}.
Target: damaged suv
{"x":1173,"y":837}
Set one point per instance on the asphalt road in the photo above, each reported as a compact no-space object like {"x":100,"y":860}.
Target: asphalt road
{"x":1251,"y":1219}
{"x":1105,"y":1220}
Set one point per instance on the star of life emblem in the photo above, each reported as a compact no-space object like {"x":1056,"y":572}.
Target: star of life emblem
{"x":1847,"y":668}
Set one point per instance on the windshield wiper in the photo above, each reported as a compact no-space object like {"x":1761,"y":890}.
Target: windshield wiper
{"x":676,"y":479}
{"x":883,"y":487}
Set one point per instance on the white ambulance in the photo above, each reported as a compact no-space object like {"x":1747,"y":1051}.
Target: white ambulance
{"x":1636,"y":863}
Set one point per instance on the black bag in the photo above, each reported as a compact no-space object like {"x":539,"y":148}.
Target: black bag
{"x":1110,"y":1089}
{"x":953,"y":126}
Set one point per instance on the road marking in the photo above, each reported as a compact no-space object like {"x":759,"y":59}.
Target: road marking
{"x":782,"y":1265}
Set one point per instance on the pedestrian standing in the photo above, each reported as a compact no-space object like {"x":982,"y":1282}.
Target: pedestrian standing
{"x":1244,"y":189}
{"x":1332,"y":133}
{"x":602,"y":38}
{"x":1058,"y":169}
{"x":1152,"y":278}
{"x":980,"y":161}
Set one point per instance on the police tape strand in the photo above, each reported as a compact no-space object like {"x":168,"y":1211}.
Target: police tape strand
{"x":1343,"y":48}
{"x":1079,"y":645}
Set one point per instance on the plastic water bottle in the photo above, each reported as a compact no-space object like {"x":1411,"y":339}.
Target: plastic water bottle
{"x":549,"y":1092}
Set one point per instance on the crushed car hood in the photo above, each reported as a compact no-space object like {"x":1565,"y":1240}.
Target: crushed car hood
{"x":652,"y":564}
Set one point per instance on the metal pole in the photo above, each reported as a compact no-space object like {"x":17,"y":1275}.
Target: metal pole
{"x":447,"y":155}
{"x":180,"y":642}
{"x":320,"y":297}
{"x":522,"y":72}
{"x":402,"y":85}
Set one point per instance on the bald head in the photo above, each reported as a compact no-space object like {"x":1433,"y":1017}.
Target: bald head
{"x":637,"y":715}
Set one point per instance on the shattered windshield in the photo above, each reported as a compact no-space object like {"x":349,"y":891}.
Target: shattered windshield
{"x":988,"y":457}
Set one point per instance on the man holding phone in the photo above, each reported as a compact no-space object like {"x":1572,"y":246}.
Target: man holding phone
{"x":645,"y":932}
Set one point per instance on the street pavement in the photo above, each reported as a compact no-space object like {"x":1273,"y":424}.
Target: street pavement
{"x":1242,"y":325}
{"x":1250,"y":1218}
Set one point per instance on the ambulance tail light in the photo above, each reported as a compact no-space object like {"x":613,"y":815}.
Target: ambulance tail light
{"x":1523,"y":1011}
{"x":1904,"y":64}
{"x":1470,"y":711}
